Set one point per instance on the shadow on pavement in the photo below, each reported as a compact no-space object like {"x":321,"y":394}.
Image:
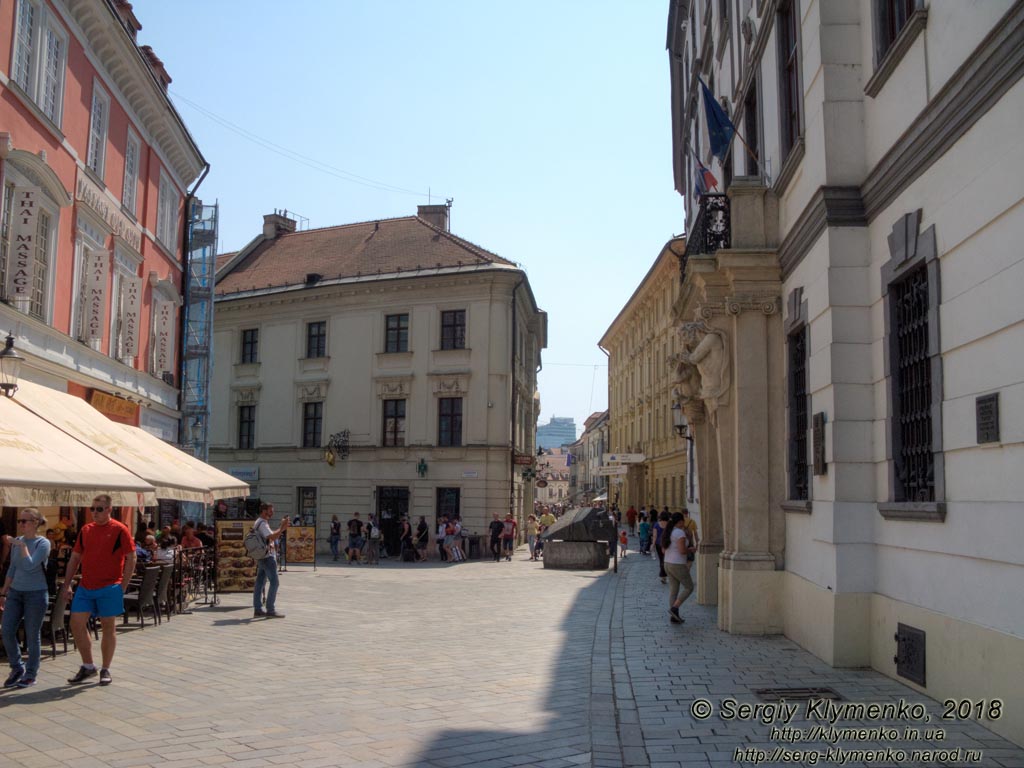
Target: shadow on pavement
{"x":571,"y":724}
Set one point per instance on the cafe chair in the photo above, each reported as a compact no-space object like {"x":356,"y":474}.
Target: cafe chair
{"x":144,"y":598}
{"x":55,"y":623}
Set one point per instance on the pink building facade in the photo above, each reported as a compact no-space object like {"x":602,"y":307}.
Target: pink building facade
{"x":96,"y":168}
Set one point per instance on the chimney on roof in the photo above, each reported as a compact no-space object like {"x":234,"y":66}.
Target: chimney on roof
{"x":156,"y":65}
{"x":277,"y":223}
{"x":435,"y":215}
{"x":131,"y":23}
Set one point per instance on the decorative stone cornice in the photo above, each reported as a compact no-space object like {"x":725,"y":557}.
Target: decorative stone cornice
{"x":246,"y":395}
{"x":393,"y":386}
{"x":106,"y":37}
{"x":828,"y":207}
{"x":311,"y":391}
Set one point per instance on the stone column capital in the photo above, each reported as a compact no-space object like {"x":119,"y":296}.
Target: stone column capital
{"x":768,"y":302}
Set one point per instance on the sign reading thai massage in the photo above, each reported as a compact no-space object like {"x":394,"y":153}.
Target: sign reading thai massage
{"x":97,"y":275}
{"x":21,"y":260}
{"x":131,"y":309}
{"x":163,"y":332}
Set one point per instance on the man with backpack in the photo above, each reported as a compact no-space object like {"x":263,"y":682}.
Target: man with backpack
{"x":266,"y":566}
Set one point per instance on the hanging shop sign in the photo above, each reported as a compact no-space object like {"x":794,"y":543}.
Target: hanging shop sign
{"x":163,"y":331}
{"x":523,"y":460}
{"x":97,"y":274}
{"x":21,"y":259}
{"x":131,"y":309}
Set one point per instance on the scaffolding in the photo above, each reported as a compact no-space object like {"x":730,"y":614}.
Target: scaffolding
{"x":195,"y":384}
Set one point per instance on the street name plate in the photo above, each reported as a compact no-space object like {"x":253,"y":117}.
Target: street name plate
{"x":624,"y":458}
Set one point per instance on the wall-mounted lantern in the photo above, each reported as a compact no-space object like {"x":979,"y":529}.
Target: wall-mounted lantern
{"x":10,"y":368}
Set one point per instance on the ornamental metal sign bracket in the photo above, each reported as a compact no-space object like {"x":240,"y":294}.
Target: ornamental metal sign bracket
{"x":337,"y":447}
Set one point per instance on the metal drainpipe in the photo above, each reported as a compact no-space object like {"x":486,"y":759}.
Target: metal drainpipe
{"x":515,"y":403}
{"x":182,"y":325}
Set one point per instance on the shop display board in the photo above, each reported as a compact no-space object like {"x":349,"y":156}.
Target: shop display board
{"x":236,"y":571}
{"x":301,"y":544}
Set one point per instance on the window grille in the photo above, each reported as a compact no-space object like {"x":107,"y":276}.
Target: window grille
{"x":915,"y":464}
{"x":799,"y":483}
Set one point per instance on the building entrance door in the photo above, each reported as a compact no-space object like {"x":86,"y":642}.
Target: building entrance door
{"x":392,"y":506}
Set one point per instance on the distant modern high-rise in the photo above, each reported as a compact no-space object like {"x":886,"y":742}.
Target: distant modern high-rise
{"x":556,"y":433}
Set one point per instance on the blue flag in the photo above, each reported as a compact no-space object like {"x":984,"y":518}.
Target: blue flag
{"x":720,"y":127}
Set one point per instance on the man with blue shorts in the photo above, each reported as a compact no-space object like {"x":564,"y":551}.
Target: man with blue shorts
{"x":106,"y":552}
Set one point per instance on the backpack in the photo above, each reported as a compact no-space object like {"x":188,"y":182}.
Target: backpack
{"x":255,"y":544}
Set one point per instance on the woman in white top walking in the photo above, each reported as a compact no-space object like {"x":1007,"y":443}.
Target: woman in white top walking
{"x":677,"y":545}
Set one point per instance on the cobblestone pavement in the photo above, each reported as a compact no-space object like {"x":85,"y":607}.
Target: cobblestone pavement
{"x":477,"y":664}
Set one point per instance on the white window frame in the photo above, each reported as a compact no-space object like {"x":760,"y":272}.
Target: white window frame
{"x":31,"y":59}
{"x":167,"y":213}
{"x":99,"y":123}
{"x":130,"y":191}
{"x":13,"y":178}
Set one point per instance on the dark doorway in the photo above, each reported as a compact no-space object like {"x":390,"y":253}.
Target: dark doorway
{"x":392,"y":506}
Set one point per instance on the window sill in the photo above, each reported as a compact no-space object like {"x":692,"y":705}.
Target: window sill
{"x":32,"y":107}
{"x":789,"y":166}
{"x":452,"y":349}
{"x":802,"y":507}
{"x":94,"y":177}
{"x":922,"y":511}
{"x":307,"y":364}
{"x":246,"y":370}
{"x":915,"y":25}
{"x":399,"y":355}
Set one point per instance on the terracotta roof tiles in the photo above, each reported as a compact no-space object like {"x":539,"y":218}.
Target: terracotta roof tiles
{"x":387,"y":246}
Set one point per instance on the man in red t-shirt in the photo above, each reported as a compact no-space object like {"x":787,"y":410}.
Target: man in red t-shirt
{"x":508,"y":536}
{"x":106,"y":552}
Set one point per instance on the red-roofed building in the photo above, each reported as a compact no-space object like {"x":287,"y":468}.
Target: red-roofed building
{"x":385,"y":367}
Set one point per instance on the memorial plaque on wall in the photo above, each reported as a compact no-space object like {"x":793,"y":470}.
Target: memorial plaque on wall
{"x":818,"y":443}
{"x":987,"y":414}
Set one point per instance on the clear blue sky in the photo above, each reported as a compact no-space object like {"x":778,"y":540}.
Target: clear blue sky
{"x":547,"y":122}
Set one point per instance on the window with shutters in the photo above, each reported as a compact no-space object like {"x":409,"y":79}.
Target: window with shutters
{"x":40,"y":57}
{"x":99,"y":120}
{"x":167,"y":213}
{"x":131,"y":173}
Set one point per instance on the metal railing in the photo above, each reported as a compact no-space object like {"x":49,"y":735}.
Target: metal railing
{"x":711,"y":230}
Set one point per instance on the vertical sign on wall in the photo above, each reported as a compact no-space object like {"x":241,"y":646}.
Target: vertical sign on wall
{"x":97,"y":272}
{"x":131,"y":307}
{"x":21,"y":260}
{"x":163,"y":359}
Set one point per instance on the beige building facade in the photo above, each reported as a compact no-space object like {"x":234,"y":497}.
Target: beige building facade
{"x":852,"y":330}
{"x":360,"y":380}
{"x":640,"y":343}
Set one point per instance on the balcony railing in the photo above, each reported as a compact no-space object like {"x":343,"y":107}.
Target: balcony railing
{"x":710,"y":231}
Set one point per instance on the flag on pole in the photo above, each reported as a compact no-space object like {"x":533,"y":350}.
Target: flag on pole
{"x":703,"y":178}
{"x":720,"y":127}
